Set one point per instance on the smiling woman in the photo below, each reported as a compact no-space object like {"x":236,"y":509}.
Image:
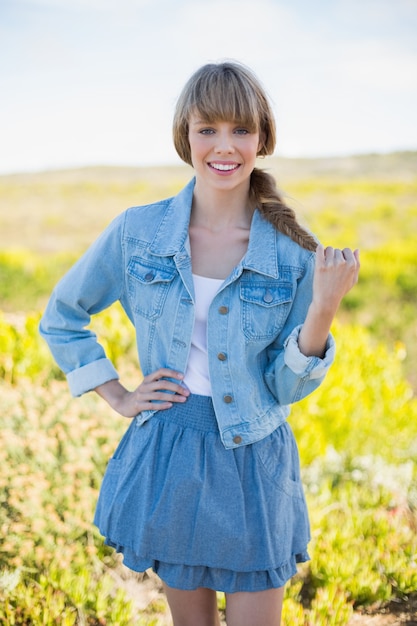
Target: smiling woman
{"x":232,"y":302}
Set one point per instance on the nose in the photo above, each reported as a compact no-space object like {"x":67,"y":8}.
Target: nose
{"x":224,"y":143}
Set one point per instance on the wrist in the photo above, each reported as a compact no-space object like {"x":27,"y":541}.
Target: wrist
{"x":315,"y":330}
{"x":323,"y":310}
{"x":114,"y":393}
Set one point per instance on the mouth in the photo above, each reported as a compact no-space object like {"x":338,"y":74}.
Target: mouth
{"x":224,"y":167}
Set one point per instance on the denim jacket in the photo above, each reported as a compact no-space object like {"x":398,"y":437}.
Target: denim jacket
{"x":143,"y":259}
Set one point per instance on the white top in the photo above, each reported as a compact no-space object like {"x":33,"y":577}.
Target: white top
{"x":197,"y":377}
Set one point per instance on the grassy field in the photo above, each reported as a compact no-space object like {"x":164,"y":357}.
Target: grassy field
{"x":357,"y":434}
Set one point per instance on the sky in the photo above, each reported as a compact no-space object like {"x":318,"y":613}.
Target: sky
{"x":94,"y":82}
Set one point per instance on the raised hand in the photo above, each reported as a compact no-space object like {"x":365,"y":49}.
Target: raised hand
{"x":336,"y":272}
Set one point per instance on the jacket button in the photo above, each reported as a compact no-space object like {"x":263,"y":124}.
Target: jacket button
{"x":228,"y":399}
{"x":149,"y":276}
{"x":223,"y":310}
{"x":221,"y":356}
{"x":268,"y":297}
{"x":237,"y":439}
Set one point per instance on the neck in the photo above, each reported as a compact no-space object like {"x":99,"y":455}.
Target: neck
{"x":218,"y":209}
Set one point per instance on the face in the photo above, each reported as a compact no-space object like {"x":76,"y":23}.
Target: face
{"x":223,"y":153}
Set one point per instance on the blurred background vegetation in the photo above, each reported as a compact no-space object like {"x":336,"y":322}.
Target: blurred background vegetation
{"x":357,"y":434}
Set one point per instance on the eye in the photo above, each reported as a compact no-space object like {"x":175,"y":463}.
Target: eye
{"x":241,"y":131}
{"x":206,"y":131}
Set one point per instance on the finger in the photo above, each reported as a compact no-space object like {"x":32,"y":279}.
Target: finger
{"x":154,"y":406}
{"x":320,"y":254}
{"x":339,"y":255}
{"x":356,"y":255}
{"x":164,"y":396}
{"x":349,"y":256}
{"x":151,"y":403}
{"x":164,"y":372}
{"x":149,"y":386}
{"x":352,"y":259}
{"x":166,"y":385}
{"x":329,"y":254}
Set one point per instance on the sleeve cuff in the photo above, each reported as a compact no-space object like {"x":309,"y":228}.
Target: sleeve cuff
{"x":302,"y":365}
{"x":90,"y":376}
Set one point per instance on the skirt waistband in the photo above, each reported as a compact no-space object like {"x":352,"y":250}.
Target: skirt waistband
{"x":196,"y":412}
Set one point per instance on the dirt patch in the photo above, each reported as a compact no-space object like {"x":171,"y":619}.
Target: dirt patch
{"x":402,"y":612}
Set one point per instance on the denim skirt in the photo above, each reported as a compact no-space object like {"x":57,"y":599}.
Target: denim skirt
{"x":174,"y":499}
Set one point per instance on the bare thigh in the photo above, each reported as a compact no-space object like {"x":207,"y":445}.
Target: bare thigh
{"x":254,"y":608}
{"x":192,"y":608}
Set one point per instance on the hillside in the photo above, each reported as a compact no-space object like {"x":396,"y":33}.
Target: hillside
{"x":62,"y":210}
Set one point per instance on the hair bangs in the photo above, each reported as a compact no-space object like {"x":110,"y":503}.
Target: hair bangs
{"x":222,"y":96}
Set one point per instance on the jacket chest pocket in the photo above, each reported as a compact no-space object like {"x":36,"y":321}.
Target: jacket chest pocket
{"x":148,"y":285}
{"x":265,"y":307}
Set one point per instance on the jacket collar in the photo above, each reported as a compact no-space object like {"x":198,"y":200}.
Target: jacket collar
{"x":172,"y":234}
{"x":262,"y":252}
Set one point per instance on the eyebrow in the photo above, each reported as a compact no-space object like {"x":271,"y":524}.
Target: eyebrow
{"x":199,"y":121}
{"x":202,"y":122}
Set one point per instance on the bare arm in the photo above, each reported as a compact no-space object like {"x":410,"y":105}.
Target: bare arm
{"x":336,"y":272}
{"x":154,"y":387}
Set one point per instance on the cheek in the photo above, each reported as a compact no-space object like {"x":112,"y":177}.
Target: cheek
{"x":194,"y":145}
{"x":253,"y":149}
{"x":198,"y":150}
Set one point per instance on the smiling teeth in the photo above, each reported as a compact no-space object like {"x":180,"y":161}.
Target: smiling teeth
{"x":223,"y":167}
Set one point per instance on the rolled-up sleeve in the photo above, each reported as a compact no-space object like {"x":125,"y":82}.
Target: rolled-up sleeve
{"x":291,"y":375}
{"x":309,"y":366}
{"x":90,"y":376}
{"x":90,"y":286}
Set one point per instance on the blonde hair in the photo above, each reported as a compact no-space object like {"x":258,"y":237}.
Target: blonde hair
{"x":229,"y":91}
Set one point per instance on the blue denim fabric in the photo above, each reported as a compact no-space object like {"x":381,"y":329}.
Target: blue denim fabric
{"x":143,"y":260}
{"x":175,"y":500}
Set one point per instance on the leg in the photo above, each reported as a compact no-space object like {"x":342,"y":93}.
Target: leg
{"x":193,"y":608}
{"x":254,"y":608}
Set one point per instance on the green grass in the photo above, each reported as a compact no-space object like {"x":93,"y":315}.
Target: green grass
{"x":359,"y":477}
{"x":357,"y":434}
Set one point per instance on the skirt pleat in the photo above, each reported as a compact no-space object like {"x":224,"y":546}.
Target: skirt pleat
{"x":174,"y":499}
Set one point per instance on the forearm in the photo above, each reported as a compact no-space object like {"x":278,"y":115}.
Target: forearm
{"x":114,"y":393}
{"x":315,"y":331}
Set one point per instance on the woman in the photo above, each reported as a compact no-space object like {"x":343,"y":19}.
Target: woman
{"x":232,"y":301}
